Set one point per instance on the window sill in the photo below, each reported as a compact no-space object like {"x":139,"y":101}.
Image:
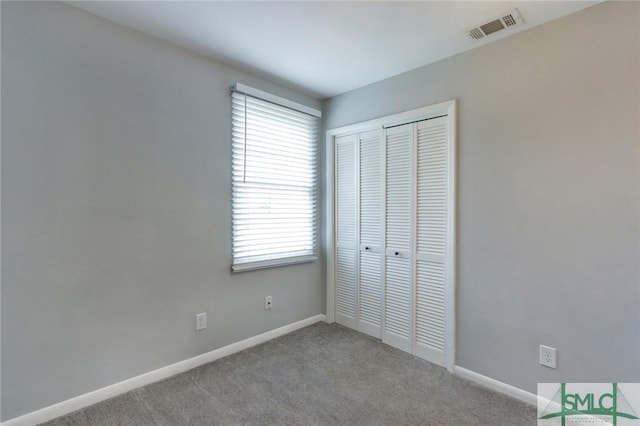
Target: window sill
{"x":265,"y":264}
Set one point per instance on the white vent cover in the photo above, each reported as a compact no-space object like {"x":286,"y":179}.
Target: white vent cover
{"x":507,"y":20}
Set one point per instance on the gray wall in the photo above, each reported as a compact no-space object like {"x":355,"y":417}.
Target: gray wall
{"x":116,"y":208}
{"x":549,"y":161}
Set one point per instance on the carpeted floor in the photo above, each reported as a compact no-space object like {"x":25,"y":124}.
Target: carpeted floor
{"x":324,"y":374}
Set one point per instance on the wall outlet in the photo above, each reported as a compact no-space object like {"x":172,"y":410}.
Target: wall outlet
{"x":201,"y":321}
{"x":548,"y":356}
{"x":267,"y":302}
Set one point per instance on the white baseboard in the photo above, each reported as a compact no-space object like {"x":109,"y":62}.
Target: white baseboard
{"x":82,"y":401}
{"x":493,"y":384}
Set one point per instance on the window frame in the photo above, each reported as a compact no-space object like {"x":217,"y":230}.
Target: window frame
{"x":240,"y":264}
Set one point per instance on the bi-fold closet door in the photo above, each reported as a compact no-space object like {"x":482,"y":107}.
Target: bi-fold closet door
{"x":359,"y":231}
{"x":393,"y":249}
{"x":416,"y":252}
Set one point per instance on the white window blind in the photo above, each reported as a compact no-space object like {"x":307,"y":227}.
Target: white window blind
{"x":273,"y":184}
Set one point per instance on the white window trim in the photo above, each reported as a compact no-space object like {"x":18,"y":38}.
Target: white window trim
{"x":273,"y":263}
{"x":265,"y":96}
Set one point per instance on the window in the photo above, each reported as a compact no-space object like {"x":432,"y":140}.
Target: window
{"x":273,"y":180}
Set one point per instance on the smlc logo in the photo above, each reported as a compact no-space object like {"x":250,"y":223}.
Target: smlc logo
{"x":588,"y":403}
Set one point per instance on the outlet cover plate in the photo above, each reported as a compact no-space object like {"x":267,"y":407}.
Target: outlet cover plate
{"x":201,"y":321}
{"x":548,"y":356}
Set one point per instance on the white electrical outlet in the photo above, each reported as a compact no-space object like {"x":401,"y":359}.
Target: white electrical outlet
{"x":267,"y":302}
{"x":548,"y":356}
{"x":201,"y":321}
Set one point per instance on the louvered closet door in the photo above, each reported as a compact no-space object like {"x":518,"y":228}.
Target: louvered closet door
{"x":346,"y":228}
{"x":431,"y":241}
{"x":371,"y":225}
{"x":398,"y":280}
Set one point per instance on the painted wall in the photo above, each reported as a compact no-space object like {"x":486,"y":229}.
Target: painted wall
{"x":549,"y":193}
{"x":116,"y":208}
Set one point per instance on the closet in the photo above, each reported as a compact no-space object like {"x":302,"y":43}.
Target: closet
{"x":392,"y":273}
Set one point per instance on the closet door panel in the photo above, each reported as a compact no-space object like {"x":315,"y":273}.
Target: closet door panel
{"x":346,"y":276}
{"x":398,"y":189}
{"x":371,"y":223}
{"x":370,"y":307}
{"x":397,"y":322}
{"x":431,"y":226}
{"x":371,"y":211}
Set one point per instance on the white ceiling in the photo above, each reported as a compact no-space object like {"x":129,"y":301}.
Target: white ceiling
{"x":329,"y":47}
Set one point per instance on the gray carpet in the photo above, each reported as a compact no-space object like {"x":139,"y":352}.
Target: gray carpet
{"x":324,"y":374}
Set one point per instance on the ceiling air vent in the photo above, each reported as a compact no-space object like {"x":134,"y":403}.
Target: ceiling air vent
{"x":509,"y":19}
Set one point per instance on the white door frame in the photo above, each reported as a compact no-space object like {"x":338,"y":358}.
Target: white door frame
{"x":448,"y":108}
